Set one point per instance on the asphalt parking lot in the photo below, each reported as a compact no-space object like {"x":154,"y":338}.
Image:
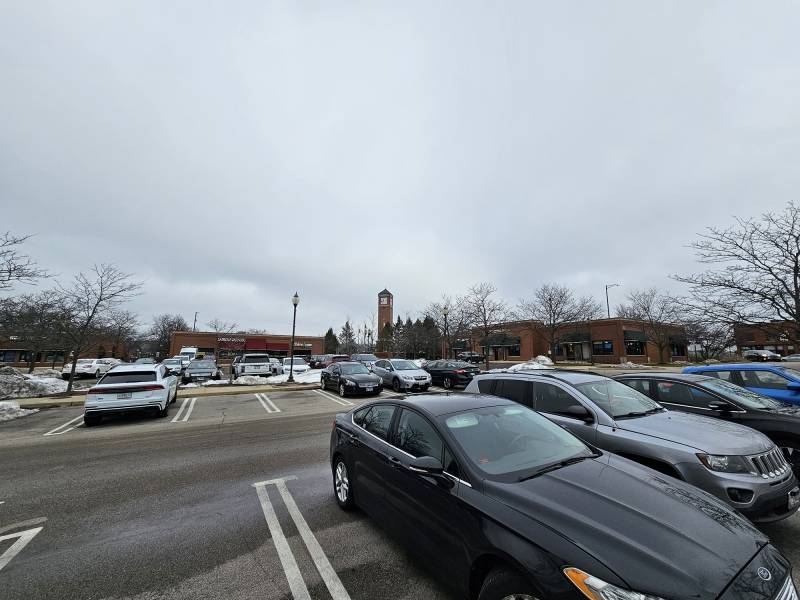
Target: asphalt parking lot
{"x":227,"y":497}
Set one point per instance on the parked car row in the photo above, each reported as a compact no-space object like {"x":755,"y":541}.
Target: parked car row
{"x":488,"y":488}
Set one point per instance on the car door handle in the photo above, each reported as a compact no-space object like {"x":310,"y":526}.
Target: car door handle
{"x":395,"y":462}
{"x":353,"y":439}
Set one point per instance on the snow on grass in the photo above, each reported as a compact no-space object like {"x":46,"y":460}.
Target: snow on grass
{"x":11,"y":410}
{"x":15,"y":384}
{"x":310,"y":376}
{"x":531,"y":365}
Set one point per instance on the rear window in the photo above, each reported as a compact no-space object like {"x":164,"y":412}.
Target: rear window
{"x":127,"y":377}
{"x":83,"y":361}
{"x":256,"y":359}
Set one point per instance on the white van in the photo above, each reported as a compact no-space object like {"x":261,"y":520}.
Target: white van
{"x":188,"y":351}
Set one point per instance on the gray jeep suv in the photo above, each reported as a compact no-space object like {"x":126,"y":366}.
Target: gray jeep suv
{"x":733,"y":462}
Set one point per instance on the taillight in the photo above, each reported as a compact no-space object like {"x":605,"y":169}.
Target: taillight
{"x":123,"y":390}
{"x":459,"y":372}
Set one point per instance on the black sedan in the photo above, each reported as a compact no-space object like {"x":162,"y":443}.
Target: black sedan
{"x":350,"y":378}
{"x":451,"y":373}
{"x":502,"y":503}
{"x":713,"y":397}
{"x":471,"y":357}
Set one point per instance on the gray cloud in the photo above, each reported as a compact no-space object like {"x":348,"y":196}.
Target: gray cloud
{"x":231,"y":154}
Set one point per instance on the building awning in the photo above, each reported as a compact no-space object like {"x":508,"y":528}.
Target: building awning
{"x":575,"y":337}
{"x":255,"y":345}
{"x":502,"y":339}
{"x":278,"y":346}
{"x":634,"y":336}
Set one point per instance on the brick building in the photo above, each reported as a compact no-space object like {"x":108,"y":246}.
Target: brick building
{"x":609,"y":341}
{"x":777,"y":336}
{"x":14,"y":353}
{"x":227,"y":345}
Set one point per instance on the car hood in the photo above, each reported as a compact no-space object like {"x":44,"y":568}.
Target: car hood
{"x":413,"y":373}
{"x":658,"y":534}
{"x":363,"y":378}
{"x":705,"y":434}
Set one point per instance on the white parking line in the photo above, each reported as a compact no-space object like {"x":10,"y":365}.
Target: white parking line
{"x":24,"y":537}
{"x":268,"y":404}
{"x":321,"y":562}
{"x":56,"y":430}
{"x":336,"y":399}
{"x":188,"y":402}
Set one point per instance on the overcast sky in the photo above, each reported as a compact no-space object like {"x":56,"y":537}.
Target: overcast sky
{"x":230,"y":153}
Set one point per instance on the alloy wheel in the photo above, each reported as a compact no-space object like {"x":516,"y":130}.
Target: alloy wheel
{"x":448,"y":383}
{"x":519,"y":597}
{"x":321,"y":384}
{"x":342,"y":392}
{"x":342,"y":483}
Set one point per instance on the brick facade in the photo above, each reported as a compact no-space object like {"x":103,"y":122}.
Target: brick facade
{"x":227,"y":345}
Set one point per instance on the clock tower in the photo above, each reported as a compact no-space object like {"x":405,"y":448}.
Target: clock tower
{"x":385,"y":309}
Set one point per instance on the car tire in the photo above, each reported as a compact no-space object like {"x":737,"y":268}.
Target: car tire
{"x":91,"y":420}
{"x":174,"y":397}
{"x":342,"y":390}
{"x":791,"y":452}
{"x":505,"y":583}
{"x":322,"y":385}
{"x":97,"y":374}
{"x":342,"y":484}
{"x":447,"y":383}
{"x":396,"y":386}
{"x":163,"y":412}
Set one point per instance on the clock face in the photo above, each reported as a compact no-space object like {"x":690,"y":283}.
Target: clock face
{"x":384,"y":300}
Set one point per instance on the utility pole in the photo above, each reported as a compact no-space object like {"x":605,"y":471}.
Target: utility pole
{"x":608,"y":306}
{"x":194,"y":325}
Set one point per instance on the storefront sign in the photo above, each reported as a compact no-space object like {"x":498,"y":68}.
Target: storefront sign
{"x":231,"y":340}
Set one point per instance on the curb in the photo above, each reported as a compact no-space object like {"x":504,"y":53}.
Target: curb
{"x":77,"y":400}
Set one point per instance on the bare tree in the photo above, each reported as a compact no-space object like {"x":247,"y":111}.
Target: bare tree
{"x":756,"y":270}
{"x":91,"y":299}
{"x":162,"y":328}
{"x":486,"y":312}
{"x":554,"y":306}
{"x":659,"y":313}
{"x":36,"y":320}
{"x":457,"y":325}
{"x":220,"y":326}
{"x":15,"y":266}
{"x":121,"y":327}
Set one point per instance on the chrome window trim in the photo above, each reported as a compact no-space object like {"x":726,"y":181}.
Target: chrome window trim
{"x":697,"y":407}
{"x":453,"y":477}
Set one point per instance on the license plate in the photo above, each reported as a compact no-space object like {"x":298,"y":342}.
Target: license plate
{"x":124,"y":396}
{"x":794,"y":498}
{"x":369,"y":389}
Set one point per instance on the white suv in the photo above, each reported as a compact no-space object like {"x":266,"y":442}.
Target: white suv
{"x":130,"y":388}
{"x":89,"y":367}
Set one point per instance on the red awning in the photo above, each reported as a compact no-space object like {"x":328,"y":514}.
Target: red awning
{"x":255,"y":345}
{"x":278,"y":346}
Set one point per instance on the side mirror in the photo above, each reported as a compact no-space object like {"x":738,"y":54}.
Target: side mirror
{"x":578,"y":411}
{"x":427,"y":465}
{"x":793,"y":386}
{"x":720,"y":405}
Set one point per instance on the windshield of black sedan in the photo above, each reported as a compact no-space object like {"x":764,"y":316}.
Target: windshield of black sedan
{"x":354,"y":370}
{"x":617,"y":399}
{"x":502,"y":440}
{"x":740,"y":395}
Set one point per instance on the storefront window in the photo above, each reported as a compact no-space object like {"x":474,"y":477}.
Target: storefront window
{"x":604,"y":347}
{"x":635,"y":348}
{"x":558,"y":350}
{"x":514,"y":350}
{"x":678,"y":349}
{"x":8,"y":356}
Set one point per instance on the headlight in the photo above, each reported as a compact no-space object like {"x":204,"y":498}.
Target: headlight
{"x":349,"y":382}
{"x":726,"y":464}
{"x":597,"y":589}
{"x":408,"y":377}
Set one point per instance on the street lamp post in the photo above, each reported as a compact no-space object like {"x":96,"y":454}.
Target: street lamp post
{"x":295,"y":302}
{"x":445,"y":311}
{"x":608,"y":306}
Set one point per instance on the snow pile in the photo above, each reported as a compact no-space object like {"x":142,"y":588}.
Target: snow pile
{"x":310,"y":376}
{"x":710,"y":361}
{"x":543,"y":360}
{"x":13,"y":384}
{"x":531,"y":365}
{"x":681,"y":363}
{"x":630,"y":365}
{"x":11,"y":410}
{"x":420,"y":362}
{"x":48,"y":373}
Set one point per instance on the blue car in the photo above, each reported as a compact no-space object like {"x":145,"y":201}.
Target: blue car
{"x":775,"y":381}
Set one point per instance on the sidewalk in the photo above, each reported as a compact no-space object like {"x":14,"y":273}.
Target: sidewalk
{"x":76,"y":399}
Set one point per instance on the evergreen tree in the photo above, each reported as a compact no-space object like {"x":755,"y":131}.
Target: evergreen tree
{"x":331,"y":344}
{"x":347,"y":339}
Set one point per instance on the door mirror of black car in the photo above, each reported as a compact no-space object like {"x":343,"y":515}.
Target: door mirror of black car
{"x":720,"y":405}
{"x":578,"y":411}
{"x":426,"y":465}
{"x":793,"y":386}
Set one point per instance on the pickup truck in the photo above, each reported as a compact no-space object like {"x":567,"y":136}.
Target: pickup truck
{"x":254,"y":364}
